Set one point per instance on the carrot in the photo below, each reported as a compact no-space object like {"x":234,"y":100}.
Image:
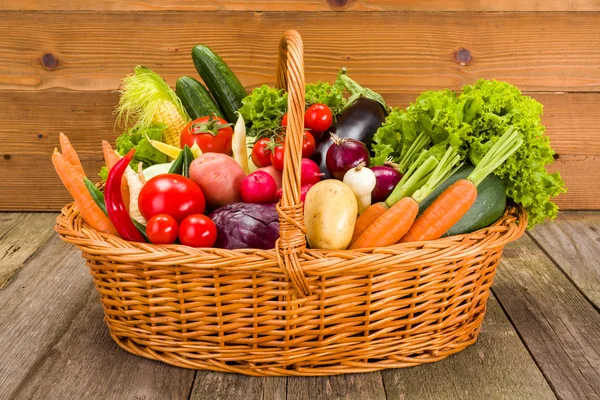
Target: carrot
{"x":390,"y":226}
{"x":111,"y":158}
{"x":419,"y":181}
{"x":457,"y":199}
{"x":70,"y":154}
{"x":445,"y":211}
{"x":367,"y":218}
{"x":74,"y":183}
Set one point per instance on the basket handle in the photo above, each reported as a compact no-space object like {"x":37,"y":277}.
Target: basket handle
{"x":292,"y":241}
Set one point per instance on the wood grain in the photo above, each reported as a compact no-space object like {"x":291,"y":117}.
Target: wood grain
{"x":498,"y":366}
{"x":55,"y":344}
{"x":302,"y":5}
{"x":390,"y":52}
{"x":86,"y":118}
{"x":368,"y":386}
{"x":573,"y":242}
{"x":560,"y":328}
{"x":221,"y":386}
{"x":21,"y":235}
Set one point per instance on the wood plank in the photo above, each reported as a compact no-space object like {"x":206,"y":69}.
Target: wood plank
{"x":573,"y":242}
{"x":55,"y":344}
{"x":302,"y":5}
{"x":21,"y":235}
{"x":497,"y":366}
{"x":222,"y":386}
{"x":560,"y":328}
{"x":389,"y":52}
{"x":86,"y":117}
{"x":367,"y":386}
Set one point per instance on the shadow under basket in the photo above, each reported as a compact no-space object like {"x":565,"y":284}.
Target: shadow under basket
{"x":293,"y":310}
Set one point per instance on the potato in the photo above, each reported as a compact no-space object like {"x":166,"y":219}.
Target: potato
{"x":220,"y":178}
{"x":329,"y":215}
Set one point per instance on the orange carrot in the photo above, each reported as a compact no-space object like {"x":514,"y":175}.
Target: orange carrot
{"x":390,"y":226}
{"x":454,"y":202}
{"x":69,"y":153}
{"x":111,"y":159}
{"x":367,"y":218}
{"x":73,"y":181}
{"x":445,"y":211}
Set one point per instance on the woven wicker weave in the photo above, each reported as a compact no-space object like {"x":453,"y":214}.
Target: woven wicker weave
{"x":294,"y":311}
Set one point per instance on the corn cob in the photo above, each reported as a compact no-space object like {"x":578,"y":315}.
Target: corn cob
{"x":167,"y":114}
{"x":146,"y":99}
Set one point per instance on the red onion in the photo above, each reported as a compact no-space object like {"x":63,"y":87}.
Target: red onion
{"x":345,"y":154}
{"x":386,"y":180}
{"x":311,"y":173}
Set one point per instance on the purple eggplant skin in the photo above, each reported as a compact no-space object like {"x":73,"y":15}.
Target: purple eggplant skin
{"x":359,"y":121}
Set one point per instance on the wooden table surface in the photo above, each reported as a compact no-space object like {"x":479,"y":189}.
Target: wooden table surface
{"x":540,"y":339}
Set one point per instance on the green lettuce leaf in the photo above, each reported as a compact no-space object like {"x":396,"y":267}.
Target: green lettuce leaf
{"x":323,"y":92}
{"x":490,"y":107}
{"x":144,"y":151}
{"x":263,"y":108}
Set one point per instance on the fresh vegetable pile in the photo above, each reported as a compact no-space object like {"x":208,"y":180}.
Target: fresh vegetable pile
{"x":202,"y":165}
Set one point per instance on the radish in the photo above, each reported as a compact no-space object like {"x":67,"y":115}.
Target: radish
{"x":311,"y":173}
{"x":345,"y":154}
{"x":274,"y":173}
{"x":362,"y":182}
{"x":303,"y":190}
{"x":259,"y":187}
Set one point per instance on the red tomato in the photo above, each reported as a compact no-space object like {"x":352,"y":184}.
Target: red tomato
{"x":170,"y":194}
{"x":277,"y":156}
{"x":284,"y":120}
{"x":261,"y":154}
{"x":308,"y":145}
{"x":318,"y":118}
{"x":213,"y":135}
{"x":197,"y":230}
{"x":162,"y":229}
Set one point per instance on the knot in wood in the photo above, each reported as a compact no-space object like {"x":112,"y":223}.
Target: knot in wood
{"x":49,"y":61}
{"x":463,"y":56}
{"x":339,"y":4}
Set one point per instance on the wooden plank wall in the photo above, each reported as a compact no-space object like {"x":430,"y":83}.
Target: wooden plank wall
{"x":60,"y":63}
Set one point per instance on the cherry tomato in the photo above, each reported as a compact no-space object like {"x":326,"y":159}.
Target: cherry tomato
{"x":318,"y":118}
{"x":308,"y":145}
{"x":284,"y":120}
{"x":171,"y":194}
{"x":277,"y":156}
{"x":261,"y":154}
{"x":213,"y":135}
{"x":197,"y":230}
{"x":162,"y":229}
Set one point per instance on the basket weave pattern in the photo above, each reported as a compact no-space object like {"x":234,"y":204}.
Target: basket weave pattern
{"x":292,"y":310}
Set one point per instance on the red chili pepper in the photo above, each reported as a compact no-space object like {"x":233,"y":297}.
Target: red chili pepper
{"x":117,"y":213}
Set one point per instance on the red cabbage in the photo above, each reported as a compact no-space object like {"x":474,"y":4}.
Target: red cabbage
{"x":246,"y":226}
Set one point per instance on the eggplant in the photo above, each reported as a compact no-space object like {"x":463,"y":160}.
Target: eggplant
{"x":360,"y":119}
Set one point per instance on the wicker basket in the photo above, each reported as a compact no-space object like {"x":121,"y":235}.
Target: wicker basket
{"x":292,"y":310}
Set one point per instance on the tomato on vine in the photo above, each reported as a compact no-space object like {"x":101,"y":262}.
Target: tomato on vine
{"x":318,"y":118}
{"x":261,"y":153}
{"x":213,"y":134}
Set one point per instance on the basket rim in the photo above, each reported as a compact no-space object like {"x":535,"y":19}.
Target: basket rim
{"x":72,"y":229}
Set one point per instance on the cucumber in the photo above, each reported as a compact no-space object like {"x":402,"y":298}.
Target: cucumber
{"x":488,"y":207}
{"x":220,"y":80}
{"x":196,"y":99}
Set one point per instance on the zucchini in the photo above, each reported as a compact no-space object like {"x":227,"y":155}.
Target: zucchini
{"x":196,"y":100}
{"x":220,"y":80}
{"x":487,"y":209}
